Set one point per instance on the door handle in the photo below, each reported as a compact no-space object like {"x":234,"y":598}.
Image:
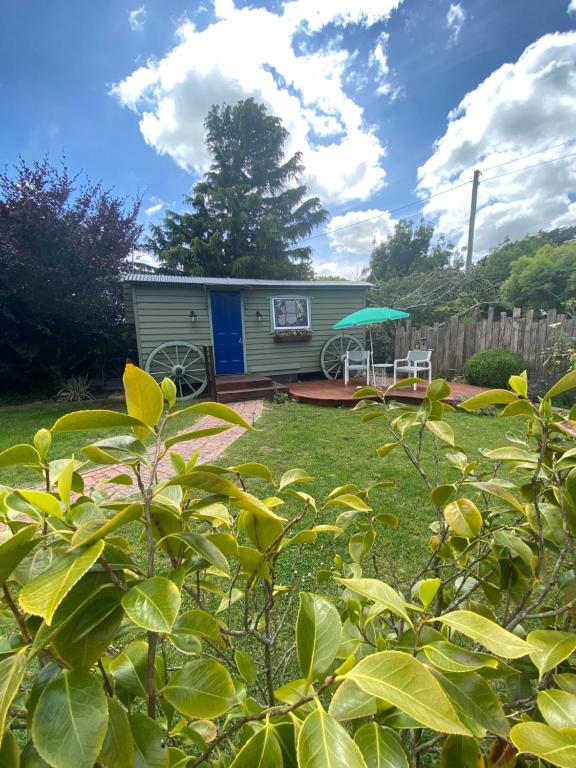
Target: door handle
{"x":240,"y":340}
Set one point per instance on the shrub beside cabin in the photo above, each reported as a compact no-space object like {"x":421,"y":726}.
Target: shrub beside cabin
{"x":262,"y":328}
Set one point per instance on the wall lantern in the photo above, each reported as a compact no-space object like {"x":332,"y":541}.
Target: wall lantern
{"x":192,"y":315}
{"x":259,"y":315}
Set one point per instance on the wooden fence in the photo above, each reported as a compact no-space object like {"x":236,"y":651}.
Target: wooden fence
{"x":454,"y":341}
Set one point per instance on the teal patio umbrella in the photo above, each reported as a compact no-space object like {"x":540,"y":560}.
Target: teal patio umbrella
{"x":370,"y":316}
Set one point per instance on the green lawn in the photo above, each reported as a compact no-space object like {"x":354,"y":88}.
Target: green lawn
{"x":336,"y":447}
{"x":18,"y":424}
{"x":331,"y":444}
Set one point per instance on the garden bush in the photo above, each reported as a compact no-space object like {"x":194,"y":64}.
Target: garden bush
{"x":168,"y":629}
{"x":493,"y":367}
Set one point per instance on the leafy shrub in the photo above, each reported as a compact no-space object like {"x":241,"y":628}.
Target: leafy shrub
{"x":281,"y":398}
{"x":560,"y":355}
{"x":190,"y":651}
{"x":493,"y":367}
{"x":75,"y":390}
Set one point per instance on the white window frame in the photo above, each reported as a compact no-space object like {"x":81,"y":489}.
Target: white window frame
{"x":279,"y":329}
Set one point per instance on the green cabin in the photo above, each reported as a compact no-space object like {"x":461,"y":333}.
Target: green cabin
{"x":259,"y":328}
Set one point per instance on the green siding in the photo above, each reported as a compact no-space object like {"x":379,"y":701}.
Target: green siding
{"x":327,"y":306}
{"x":162,"y":313}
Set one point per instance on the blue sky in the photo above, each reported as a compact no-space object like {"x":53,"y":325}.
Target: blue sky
{"x":390,"y":101}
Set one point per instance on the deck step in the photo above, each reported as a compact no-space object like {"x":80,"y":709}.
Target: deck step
{"x":252,"y":393}
{"x":235,"y":383}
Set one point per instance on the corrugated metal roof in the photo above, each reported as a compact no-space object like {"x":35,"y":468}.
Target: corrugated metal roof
{"x":137,"y":277}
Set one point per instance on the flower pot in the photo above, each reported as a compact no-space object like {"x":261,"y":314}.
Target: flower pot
{"x":291,"y":338}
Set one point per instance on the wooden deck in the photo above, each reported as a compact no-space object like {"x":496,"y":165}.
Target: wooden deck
{"x":332,"y":393}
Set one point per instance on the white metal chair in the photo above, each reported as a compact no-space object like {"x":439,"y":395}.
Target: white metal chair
{"x":357,"y":362}
{"x":418,"y":361}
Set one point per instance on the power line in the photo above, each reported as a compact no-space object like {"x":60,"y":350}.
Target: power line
{"x":387,"y":213}
{"x":523,"y":157}
{"x":527,"y":167}
{"x":423,"y":200}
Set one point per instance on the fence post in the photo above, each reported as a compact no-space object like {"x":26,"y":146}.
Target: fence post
{"x":210,"y":371}
{"x":516,"y":315}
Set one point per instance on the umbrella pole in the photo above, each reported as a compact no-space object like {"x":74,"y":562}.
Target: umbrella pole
{"x":371,"y":355}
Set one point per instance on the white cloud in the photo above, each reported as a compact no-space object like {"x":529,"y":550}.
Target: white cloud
{"x":572,"y":7}
{"x":455,"y":19}
{"x":249,"y":52}
{"x":379,"y":62}
{"x":137,"y":19}
{"x":519,"y":109}
{"x":143,"y":257}
{"x":316,"y":14}
{"x":356,"y":232}
{"x":328,"y":268}
{"x":154,"y":209}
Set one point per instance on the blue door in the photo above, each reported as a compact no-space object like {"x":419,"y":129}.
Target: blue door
{"x":227,"y":331}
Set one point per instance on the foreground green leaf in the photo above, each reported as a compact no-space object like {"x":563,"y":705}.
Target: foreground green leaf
{"x":486,"y":399}
{"x":324,"y":743}
{"x":380,"y":747}
{"x":195,"y":434}
{"x":292,"y":476}
{"x":452,"y":658}
{"x":80,"y":644}
{"x":19,"y":454}
{"x":219,"y":410}
{"x":477,"y":705}
{"x":406,"y":683}
{"x":480,"y":629}
{"x":461,"y":751}
{"x":558,"y":708}
{"x":546,"y":743}
{"x":44,"y":593}
{"x":551,"y":647}
{"x":215,"y":483}
{"x":153,"y":604}
{"x":99,"y":528}
{"x":203,"y":547}
{"x":464,"y":518}
{"x":318,"y":630}
{"x":9,"y":751}
{"x":15,"y":549}
{"x":70,"y":721}
{"x":144,"y":399}
{"x":199,"y":623}
{"x":12,"y":671}
{"x":350,"y":702}
{"x":129,"y":668}
{"x":246,"y":665}
{"x":202,"y":688}
{"x":118,"y":747}
{"x":442,"y":430}
{"x":260,"y":751}
{"x":380,"y":593}
{"x":45,"y":502}
{"x":81,"y":421}
{"x":149,"y":747}
{"x":565,"y":384}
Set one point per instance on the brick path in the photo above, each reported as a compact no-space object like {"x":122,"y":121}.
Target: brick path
{"x":208,"y":447}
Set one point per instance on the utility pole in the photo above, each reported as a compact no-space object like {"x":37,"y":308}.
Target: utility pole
{"x":472,"y":222}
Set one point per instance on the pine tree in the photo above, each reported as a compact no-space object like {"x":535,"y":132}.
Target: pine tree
{"x":248,"y":212}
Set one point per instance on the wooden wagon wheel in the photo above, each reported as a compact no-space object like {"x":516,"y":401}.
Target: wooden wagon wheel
{"x":334,"y":352}
{"x":183,"y":363}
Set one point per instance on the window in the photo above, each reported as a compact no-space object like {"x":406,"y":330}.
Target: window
{"x":291,"y":314}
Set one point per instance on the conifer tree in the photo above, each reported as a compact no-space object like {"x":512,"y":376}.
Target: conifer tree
{"x":249,"y":212}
